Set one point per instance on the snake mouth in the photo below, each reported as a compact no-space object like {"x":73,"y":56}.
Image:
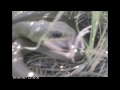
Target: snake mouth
{"x":64,"y":45}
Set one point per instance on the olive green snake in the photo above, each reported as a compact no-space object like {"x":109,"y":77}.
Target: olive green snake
{"x":60,"y":37}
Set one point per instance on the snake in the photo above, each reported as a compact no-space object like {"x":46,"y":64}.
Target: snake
{"x":61,"y":36}
{"x":27,"y":29}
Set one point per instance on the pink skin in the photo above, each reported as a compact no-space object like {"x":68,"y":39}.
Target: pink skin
{"x":56,"y":49}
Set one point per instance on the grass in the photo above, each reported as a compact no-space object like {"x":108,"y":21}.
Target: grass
{"x":95,"y":62}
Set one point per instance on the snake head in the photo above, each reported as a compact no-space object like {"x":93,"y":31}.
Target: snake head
{"x":60,"y":35}
{"x":57,"y":41}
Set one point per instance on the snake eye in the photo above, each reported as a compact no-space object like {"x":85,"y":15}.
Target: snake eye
{"x":57,"y":34}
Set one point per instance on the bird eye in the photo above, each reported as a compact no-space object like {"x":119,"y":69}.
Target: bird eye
{"x":57,"y":34}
